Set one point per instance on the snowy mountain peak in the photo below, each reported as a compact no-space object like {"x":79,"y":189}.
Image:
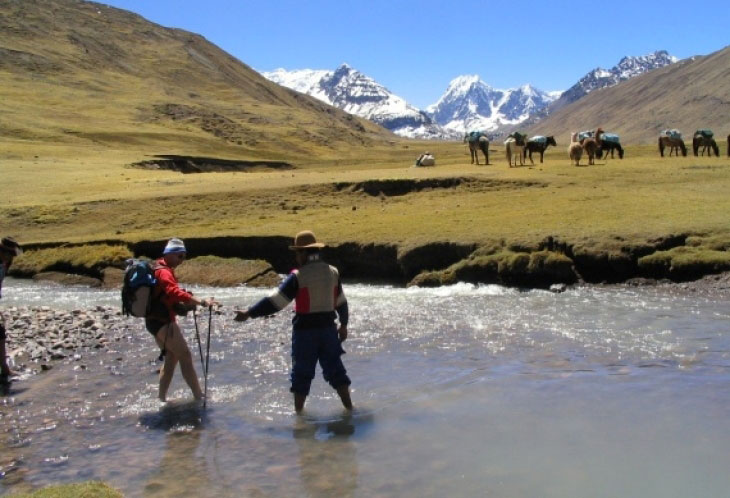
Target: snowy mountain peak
{"x":352,"y":91}
{"x":462,"y":84}
{"x":470,"y":104}
{"x":628,"y":67}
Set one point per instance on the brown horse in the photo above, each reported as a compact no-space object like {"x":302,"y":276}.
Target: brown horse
{"x":591,"y":145}
{"x":673,"y":144}
{"x":540,"y":146}
{"x":591,"y":149}
{"x":707,"y":143}
{"x":481,"y":143}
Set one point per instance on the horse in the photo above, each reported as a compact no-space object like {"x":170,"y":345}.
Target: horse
{"x":575,"y":152}
{"x":610,"y":147}
{"x":591,"y":145}
{"x":540,"y":146}
{"x":480,"y":143}
{"x":707,"y":143}
{"x":673,"y":144}
{"x":513,"y":149}
{"x":575,"y":149}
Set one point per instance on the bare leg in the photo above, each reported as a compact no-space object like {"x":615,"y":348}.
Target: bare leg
{"x":299,"y":400}
{"x":4,"y":368}
{"x":344,"y":393}
{"x":178,"y":352}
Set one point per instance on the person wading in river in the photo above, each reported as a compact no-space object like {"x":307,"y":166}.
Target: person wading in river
{"x":319,"y":300}
{"x":9,"y":248}
{"x":161,"y":321}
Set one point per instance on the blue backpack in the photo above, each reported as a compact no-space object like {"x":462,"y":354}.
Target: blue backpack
{"x":610,"y":137}
{"x":139,"y":281}
{"x":705,"y":133}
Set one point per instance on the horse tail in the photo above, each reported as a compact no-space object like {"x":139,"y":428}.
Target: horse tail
{"x":683,"y":148}
{"x":715,"y":148}
{"x":661,"y":147}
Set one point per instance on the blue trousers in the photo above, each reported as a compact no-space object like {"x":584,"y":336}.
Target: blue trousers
{"x":310,"y":346}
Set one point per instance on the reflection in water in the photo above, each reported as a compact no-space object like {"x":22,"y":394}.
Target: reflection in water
{"x":327,"y":456}
{"x":182,"y":471}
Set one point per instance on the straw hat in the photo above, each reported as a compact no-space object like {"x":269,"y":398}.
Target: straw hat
{"x":8,"y":244}
{"x":305,"y":240}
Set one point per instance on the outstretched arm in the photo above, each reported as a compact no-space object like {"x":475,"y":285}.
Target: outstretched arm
{"x":277,"y":301}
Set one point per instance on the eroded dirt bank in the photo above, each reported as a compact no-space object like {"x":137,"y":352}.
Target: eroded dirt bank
{"x":439,"y":263}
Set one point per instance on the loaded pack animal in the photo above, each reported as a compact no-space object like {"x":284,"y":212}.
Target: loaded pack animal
{"x":514,"y":146}
{"x":609,"y":143}
{"x":575,"y":149}
{"x":477,"y":141}
{"x":539,"y":144}
{"x":672,"y":139}
{"x":704,"y":139}
{"x":591,"y":143}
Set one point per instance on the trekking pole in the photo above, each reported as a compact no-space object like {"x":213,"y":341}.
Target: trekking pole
{"x":207,"y":356}
{"x":197,"y":336}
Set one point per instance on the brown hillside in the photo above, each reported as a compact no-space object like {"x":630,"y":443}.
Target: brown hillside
{"x":688,"y":95}
{"x":79,"y":73}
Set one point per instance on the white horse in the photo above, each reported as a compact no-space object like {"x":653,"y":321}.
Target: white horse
{"x":575,"y":149}
{"x":512,"y":149}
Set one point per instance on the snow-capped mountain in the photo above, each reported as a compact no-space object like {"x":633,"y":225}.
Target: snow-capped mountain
{"x":468,"y":103}
{"x":358,"y":94}
{"x":471,"y":104}
{"x":627,"y":68}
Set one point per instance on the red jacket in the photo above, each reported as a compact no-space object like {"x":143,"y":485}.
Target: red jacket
{"x":168,"y":287}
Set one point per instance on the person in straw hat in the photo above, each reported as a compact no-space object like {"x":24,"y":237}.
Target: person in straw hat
{"x":9,"y":249}
{"x":161,"y":322}
{"x":316,"y":289}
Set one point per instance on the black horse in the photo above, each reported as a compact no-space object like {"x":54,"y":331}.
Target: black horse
{"x":540,"y":146}
{"x":707,"y":143}
{"x":610,"y":146}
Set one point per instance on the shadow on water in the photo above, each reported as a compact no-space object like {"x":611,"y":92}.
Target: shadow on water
{"x":344,"y":426}
{"x":176,"y":416}
{"x":7,"y":389}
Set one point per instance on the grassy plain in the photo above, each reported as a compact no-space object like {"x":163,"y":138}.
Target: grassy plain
{"x":70,"y":193}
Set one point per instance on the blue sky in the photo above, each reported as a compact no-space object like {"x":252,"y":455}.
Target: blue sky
{"x":415,"y":48}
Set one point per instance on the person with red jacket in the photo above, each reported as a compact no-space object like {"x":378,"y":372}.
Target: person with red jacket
{"x":162,"y":323}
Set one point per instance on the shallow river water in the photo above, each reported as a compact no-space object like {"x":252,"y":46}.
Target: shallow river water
{"x":461,"y":391}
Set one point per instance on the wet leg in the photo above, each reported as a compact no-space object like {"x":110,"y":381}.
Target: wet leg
{"x":179,"y":348}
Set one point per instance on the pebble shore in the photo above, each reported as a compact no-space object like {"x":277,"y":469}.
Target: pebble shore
{"x":38,"y":336}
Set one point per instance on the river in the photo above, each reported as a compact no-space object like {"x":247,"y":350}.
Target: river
{"x":460,"y":391}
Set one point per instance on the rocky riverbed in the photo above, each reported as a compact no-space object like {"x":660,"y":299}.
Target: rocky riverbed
{"x":39,"y":335}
